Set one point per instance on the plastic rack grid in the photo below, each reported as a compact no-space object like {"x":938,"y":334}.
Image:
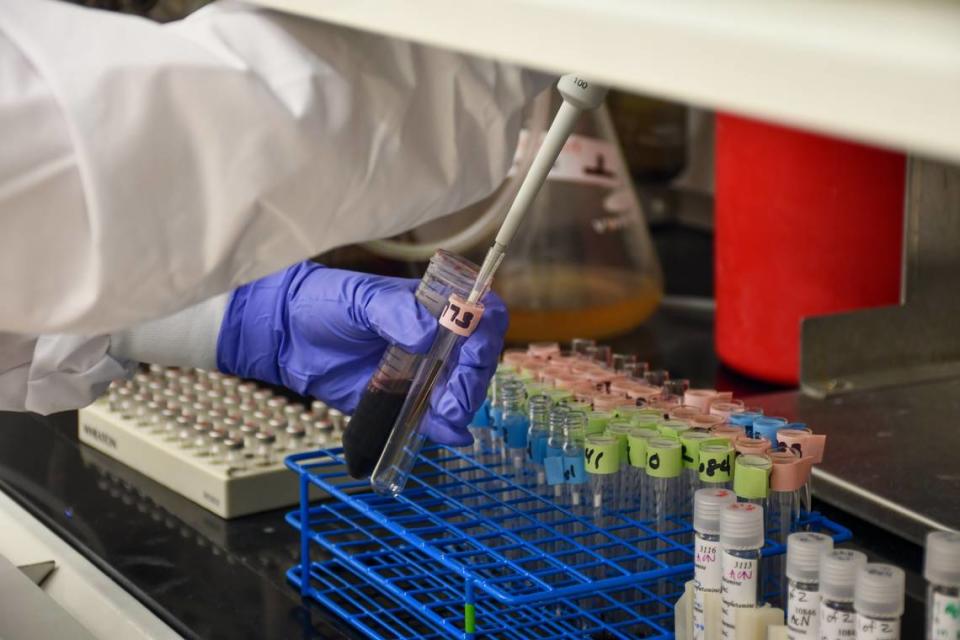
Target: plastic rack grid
{"x":490,"y":541}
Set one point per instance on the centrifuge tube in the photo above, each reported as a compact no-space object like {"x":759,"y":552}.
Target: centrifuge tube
{"x":707,"y":505}
{"x":803,"y":583}
{"x":620,"y":428}
{"x":637,"y":457}
{"x":941,"y":568}
{"x":601,"y":459}
{"x":690,"y":443}
{"x":664,"y":466}
{"x":538,"y":412}
{"x":878,"y":599}
{"x":751,"y":478}
{"x":716,"y":465}
{"x":838,"y":575}
{"x":741,"y":538}
{"x":384,"y":397}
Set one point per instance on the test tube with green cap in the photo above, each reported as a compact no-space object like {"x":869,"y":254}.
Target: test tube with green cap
{"x":690,"y":443}
{"x":751,"y":478}
{"x":601,"y":460}
{"x":716,"y":464}
{"x":664,"y":469}
{"x":597,"y":421}
{"x":620,"y":428}
{"x":673,"y":428}
{"x":637,"y":457}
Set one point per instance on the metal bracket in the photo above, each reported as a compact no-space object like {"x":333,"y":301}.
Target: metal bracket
{"x":917,"y":341}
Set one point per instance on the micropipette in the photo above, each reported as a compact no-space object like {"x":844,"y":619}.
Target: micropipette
{"x":461,"y":316}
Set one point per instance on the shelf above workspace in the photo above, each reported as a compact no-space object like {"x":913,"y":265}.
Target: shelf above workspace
{"x":887,"y":72}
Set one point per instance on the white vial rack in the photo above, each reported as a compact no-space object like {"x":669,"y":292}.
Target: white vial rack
{"x":212,"y":438}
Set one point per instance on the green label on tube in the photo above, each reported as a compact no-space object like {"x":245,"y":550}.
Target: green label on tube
{"x":716,"y":462}
{"x":663,"y":458}
{"x":597,"y":422}
{"x":691,"y":442}
{"x":601,"y":454}
{"x":751,"y":477}
{"x":637,"y":450}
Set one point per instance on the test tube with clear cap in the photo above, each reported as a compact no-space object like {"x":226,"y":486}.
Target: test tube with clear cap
{"x":803,"y":588}
{"x":878,"y":599}
{"x":707,"y":573}
{"x":741,"y":539}
{"x":941,"y":568}
{"x":837,"y":619}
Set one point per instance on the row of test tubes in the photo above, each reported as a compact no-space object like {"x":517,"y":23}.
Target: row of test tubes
{"x":221,"y":419}
{"x":601,"y":433}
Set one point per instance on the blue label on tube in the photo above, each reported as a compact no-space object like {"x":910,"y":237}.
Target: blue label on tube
{"x":537,"y":448}
{"x":516,"y":426}
{"x":553,"y":452}
{"x":553,"y":466}
{"x":573,"y":470}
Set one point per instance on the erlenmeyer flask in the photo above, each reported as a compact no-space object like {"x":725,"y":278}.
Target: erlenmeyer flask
{"x":582,"y":263}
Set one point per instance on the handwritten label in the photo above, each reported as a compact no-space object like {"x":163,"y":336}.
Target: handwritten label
{"x":738,"y":590}
{"x":707,"y":579}
{"x":802,"y":613}
{"x":877,"y":629}
{"x":553,"y":466}
{"x":573,"y":470}
{"x":836,"y":624}
{"x":460,"y":316}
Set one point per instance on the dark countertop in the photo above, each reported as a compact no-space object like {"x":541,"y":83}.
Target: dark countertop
{"x":211,"y":578}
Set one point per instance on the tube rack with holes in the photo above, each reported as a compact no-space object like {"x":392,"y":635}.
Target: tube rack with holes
{"x":465,"y":551}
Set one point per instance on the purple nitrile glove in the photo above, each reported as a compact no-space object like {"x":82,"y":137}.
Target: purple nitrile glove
{"x":321,"y":332}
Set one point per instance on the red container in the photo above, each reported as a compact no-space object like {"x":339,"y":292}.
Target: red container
{"x":805,"y":225}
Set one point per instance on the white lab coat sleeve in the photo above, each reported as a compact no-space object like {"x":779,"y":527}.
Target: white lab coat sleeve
{"x":146,"y":167}
{"x":54,"y":373}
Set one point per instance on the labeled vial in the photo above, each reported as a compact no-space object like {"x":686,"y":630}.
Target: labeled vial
{"x":838,"y":575}
{"x":941,"y":568}
{"x":707,"y":574}
{"x":265,"y":442}
{"x":803,"y":583}
{"x":741,"y":538}
{"x":878,"y":599}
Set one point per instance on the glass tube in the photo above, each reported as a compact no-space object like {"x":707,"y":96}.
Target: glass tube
{"x":741,"y":538}
{"x":838,"y":574}
{"x":386,"y":392}
{"x":803,"y":579}
{"x":878,"y":599}
{"x":707,"y":576}
{"x":941,"y":568}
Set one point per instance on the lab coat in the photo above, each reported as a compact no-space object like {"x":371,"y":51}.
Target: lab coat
{"x":147,"y":168}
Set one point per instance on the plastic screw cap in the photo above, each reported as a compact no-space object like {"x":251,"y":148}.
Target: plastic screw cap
{"x":879,"y":591}
{"x":707,"y":505}
{"x":838,"y":573}
{"x":803,"y":555}
{"x":741,"y":526}
{"x":941,"y":564}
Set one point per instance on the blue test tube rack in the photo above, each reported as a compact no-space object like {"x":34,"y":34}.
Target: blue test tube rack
{"x":468,"y":551}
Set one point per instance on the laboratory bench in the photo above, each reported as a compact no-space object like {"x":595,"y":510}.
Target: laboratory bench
{"x":211,"y":578}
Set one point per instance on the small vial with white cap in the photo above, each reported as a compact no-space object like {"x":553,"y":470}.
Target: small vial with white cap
{"x":803,"y":583}
{"x":707,"y":505}
{"x":838,"y":575}
{"x":741,"y":538}
{"x":941,"y":568}
{"x":878,"y":599}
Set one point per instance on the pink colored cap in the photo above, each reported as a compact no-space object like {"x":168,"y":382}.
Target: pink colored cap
{"x":728,"y":432}
{"x":604,"y":402}
{"x":807,"y":444}
{"x":744,"y":445}
{"x":789,"y":473}
{"x":704,"y":421}
{"x":699,"y":398}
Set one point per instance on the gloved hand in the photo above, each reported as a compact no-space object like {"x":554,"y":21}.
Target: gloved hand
{"x":321,"y":332}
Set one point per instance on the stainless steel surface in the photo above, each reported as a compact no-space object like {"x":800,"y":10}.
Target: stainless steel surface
{"x":913,"y":342}
{"x":892,"y":456}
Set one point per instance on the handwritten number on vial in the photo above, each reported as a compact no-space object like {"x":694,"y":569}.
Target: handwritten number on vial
{"x":654,"y":461}
{"x":683,"y":453}
{"x":588,"y":454}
